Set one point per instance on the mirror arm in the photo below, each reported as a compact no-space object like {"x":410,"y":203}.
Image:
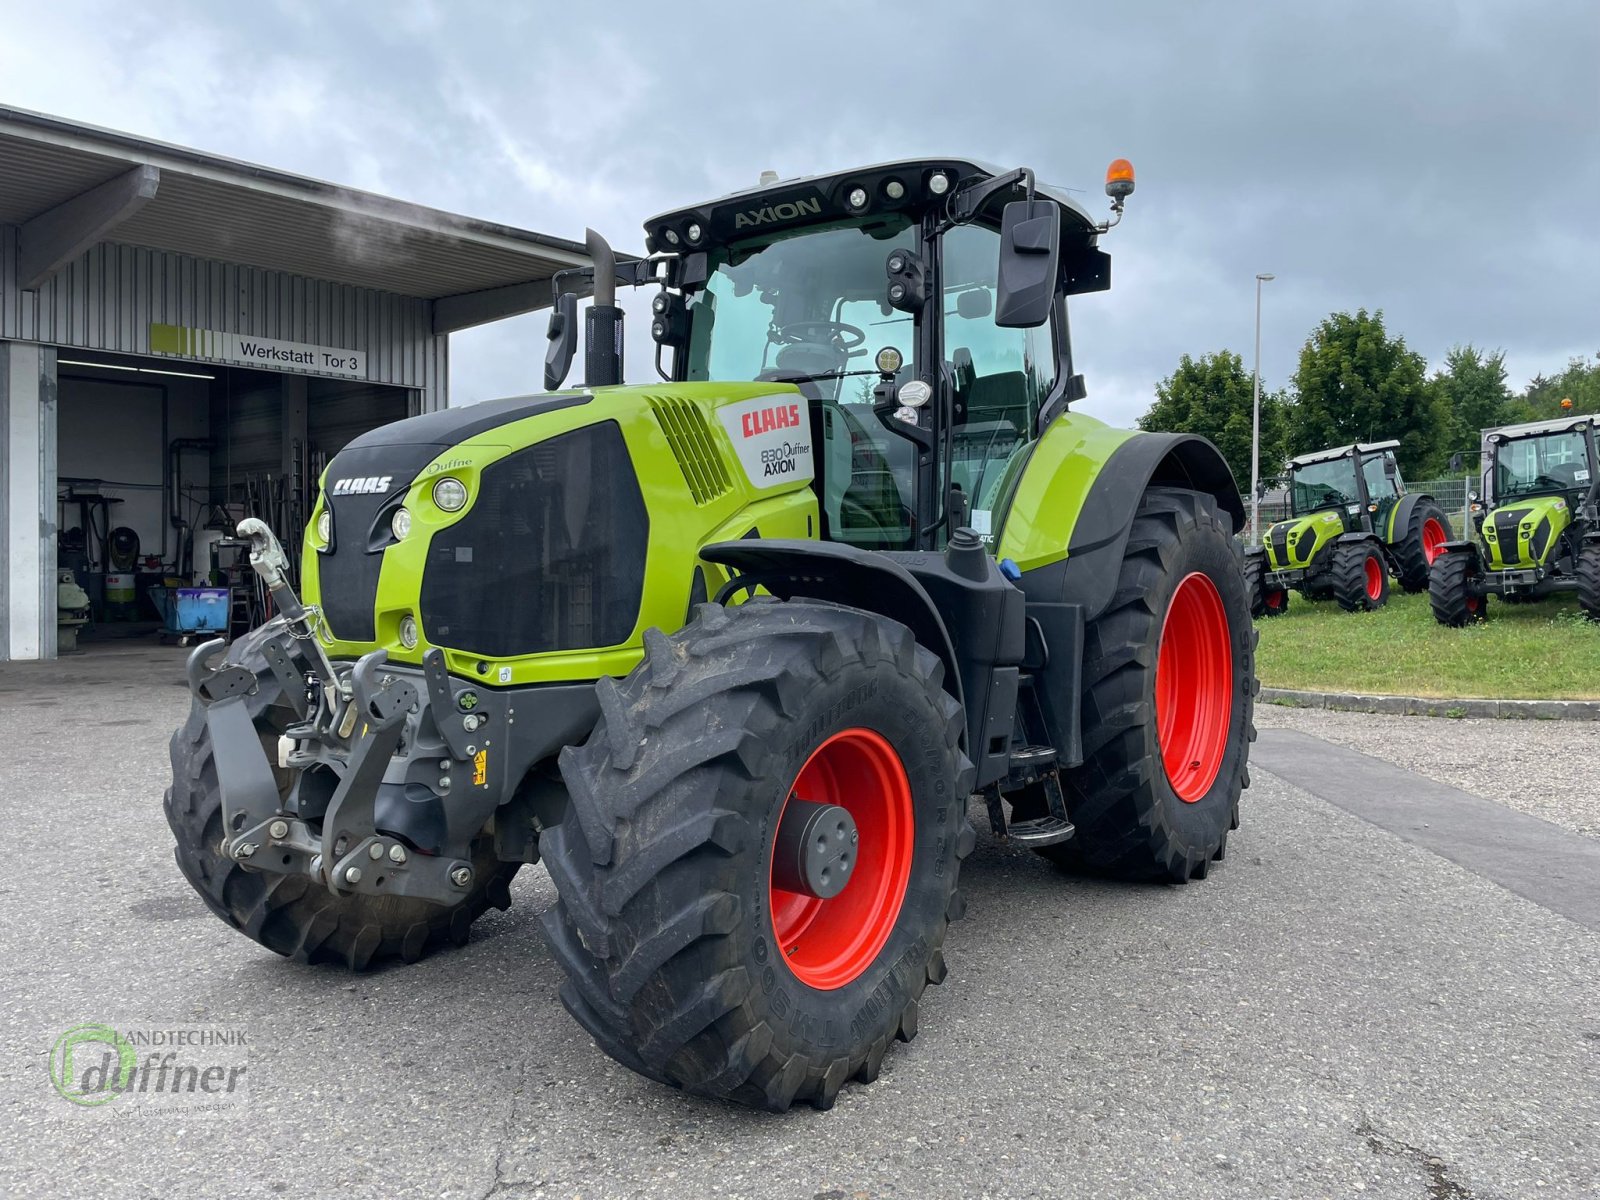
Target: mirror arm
{"x":968,"y":203}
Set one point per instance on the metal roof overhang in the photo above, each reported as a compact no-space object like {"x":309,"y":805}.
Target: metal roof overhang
{"x":70,"y":186}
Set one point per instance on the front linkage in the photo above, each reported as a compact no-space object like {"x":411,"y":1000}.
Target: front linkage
{"x":357,"y":819}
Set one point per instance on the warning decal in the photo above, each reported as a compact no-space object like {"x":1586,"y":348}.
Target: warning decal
{"x":772,"y":438}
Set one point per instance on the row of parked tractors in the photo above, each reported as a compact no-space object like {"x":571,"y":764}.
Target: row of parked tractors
{"x":1533,"y":530}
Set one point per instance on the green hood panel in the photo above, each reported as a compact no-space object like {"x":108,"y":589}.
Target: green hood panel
{"x":1522,"y":533}
{"x":712,"y":461}
{"x":1292,"y":544}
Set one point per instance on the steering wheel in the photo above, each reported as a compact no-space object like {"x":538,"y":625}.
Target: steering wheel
{"x":848,"y":336}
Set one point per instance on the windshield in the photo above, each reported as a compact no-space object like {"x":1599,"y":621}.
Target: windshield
{"x":1548,"y":462}
{"x":805,"y":306}
{"x":1323,"y":485}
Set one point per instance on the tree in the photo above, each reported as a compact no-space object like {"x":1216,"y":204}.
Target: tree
{"x":1212,"y":396}
{"x":1472,"y":390}
{"x":1355,"y":383}
{"x":1541,"y":401}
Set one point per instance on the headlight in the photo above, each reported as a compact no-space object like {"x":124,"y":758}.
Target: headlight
{"x":938,"y":183}
{"x":450,"y":494}
{"x":325,"y":527}
{"x":857,"y":198}
{"x":400,"y":525}
{"x":695,"y":232}
{"x":408,"y":632}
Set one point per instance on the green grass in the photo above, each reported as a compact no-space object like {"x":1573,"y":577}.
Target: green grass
{"x":1544,"y":651}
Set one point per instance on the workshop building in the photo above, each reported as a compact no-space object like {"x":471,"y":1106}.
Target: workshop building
{"x":186,"y":339}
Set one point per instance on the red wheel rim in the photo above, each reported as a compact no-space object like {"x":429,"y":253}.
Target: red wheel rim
{"x":1432,"y":539}
{"x":1194,"y":687}
{"x":829,"y":943}
{"x":1374,"y":577}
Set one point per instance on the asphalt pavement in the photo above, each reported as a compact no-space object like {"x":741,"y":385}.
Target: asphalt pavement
{"x":1340,"y":1010}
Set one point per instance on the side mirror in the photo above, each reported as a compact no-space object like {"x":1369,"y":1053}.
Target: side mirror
{"x":563,"y":335}
{"x":1030,"y":263}
{"x":1391,"y":469}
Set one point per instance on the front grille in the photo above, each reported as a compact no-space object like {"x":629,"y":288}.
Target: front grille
{"x":1280,"y":543}
{"x":693,"y":445}
{"x":550,"y":556}
{"x":347,"y":572}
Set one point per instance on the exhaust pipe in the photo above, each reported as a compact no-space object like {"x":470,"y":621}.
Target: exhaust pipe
{"x":602,"y":327}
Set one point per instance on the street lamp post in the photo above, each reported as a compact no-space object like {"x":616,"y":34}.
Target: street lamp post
{"x":1255,"y":424}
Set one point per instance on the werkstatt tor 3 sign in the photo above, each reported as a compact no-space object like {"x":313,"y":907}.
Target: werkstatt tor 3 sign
{"x":266,"y":353}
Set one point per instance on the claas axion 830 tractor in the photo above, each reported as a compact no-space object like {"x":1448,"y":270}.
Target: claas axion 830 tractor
{"x":731,"y":652}
{"x":1352,"y":524}
{"x":1536,"y":527}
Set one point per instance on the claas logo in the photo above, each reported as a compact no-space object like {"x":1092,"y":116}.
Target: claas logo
{"x":764,"y":420}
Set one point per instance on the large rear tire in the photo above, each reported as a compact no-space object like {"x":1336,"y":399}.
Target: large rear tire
{"x":1588,"y":573}
{"x":686,"y":960}
{"x":1450,"y":592}
{"x":1360,"y":576}
{"x":1423,"y":541}
{"x":292,"y":915}
{"x":1169,"y":691}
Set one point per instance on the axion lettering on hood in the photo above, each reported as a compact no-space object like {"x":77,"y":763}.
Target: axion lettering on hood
{"x":771,"y":437}
{"x":360,"y":485}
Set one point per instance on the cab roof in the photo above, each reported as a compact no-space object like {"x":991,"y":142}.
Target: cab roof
{"x":811,"y":199}
{"x":1534,"y":428}
{"x":1336,"y":452}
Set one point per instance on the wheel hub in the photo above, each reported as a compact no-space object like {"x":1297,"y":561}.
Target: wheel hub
{"x":815,"y":850}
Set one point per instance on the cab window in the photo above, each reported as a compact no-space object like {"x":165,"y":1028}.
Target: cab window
{"x":1379,"y":486}
{"x":999,"y":377}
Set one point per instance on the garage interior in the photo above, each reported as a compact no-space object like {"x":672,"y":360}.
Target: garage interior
{"x":158,"y":460}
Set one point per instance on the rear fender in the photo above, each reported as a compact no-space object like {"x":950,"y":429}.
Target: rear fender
{"x":1400,"y":515}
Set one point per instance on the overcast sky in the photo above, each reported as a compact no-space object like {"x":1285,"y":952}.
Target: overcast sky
{"x":1440,"y":161}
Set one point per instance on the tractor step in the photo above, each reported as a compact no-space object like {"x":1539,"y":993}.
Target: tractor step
{"x":1029,"y":764}
{"x":1041,"y":831}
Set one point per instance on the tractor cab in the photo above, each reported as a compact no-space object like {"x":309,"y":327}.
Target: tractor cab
{"x":917,"y":306}
{"x":1360,"y":482}
{"x":1548,"y":459}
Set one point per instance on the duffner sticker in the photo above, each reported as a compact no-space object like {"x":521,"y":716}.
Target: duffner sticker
{"x":772,"y":437}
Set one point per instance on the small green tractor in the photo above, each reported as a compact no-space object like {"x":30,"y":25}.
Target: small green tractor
{"x":732,"y":651}
{"x":1352,"y":524}
{"x":1537,"y":524}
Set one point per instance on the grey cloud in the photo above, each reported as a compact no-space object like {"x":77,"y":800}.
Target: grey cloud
{"x":1439,"y":161}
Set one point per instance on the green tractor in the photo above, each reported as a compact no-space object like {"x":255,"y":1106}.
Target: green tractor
{"x":1352,"y":524}
{"x":731,"y":652}
{"x":1538,"y":527}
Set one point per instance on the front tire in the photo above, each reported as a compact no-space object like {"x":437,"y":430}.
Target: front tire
{"x":686,"y":960}
{"x":293,"y":915}
{"x":1360,"y":576}
{"x":1451,"y":594}
{"x":1426,"y":533}
{"x":1168,"y":699}
{"x":1588,"y":573}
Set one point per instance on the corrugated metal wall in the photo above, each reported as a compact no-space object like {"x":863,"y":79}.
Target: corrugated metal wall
{"x":108,"y":299}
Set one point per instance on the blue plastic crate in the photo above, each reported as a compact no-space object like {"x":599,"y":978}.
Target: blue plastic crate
{"x":202,"y":609}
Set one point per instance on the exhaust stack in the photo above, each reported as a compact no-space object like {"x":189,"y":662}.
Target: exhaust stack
{"x":602,"y":326}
